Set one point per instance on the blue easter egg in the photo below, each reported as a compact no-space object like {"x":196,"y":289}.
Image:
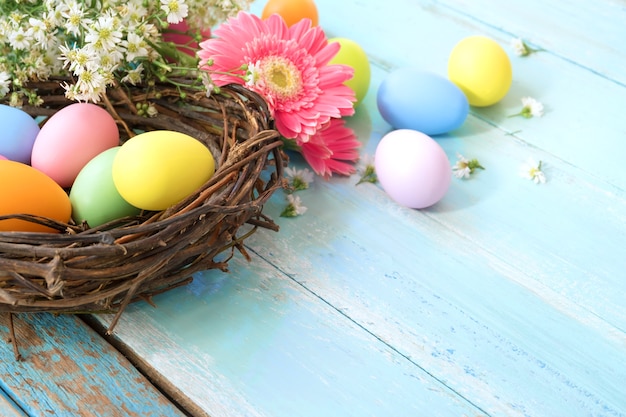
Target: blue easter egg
{"x":19,"y":131}
{"x":409,"y":98}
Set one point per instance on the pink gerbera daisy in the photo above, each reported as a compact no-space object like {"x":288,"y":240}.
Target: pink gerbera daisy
{"x":332,"y":149}
{"x":288,"y":66}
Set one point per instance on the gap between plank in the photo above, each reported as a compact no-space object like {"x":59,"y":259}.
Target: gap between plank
{"x":173,"y":394}
{"x":499,"y":29}
{"x":366,"y":330}
{"x":6,"y":399}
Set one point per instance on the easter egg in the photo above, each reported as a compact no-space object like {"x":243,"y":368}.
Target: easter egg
{"x":71,"y":138}
{"x":26,"y":190}
{"x":412,"y":168}
{"x":292,"y":11}
{"x":409,"y":98}
{"x":94,"y":197}
{"x":19,"y":131}
{"x":157,"y":169}
{"x":353,"y":55}
{"x":482,"y":69}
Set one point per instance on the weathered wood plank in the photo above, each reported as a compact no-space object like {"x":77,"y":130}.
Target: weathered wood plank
{"x":589,"y":34}
{"x":565,"y":235}
{"x":488,"y":329}
{"x":255,"y":343}
{"x":583,"y":121}
{"x":67,"y":370}
{"x":578,"y":191}
{"x":506,"y":298}
{"x":573,"y":267}
{"x":567,"y":257}
{"x":8,"y":408}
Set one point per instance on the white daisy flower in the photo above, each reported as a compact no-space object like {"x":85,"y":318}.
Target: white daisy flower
{"x":532,"y":170}
{"x":5,"y":82}
{"x":533,"y":106}
{"x":75,"y":18}
{"x":91,"y":85}
{"x":294,"y":207}
{"x":103,"y":35}
{"x":37,"y":30}
{"x":521,"y":48}
{"x":530,"y":108}
{"x":252,"y":75}
{"x":176,"y":10}
{"x":135,"y":47}
{"x":19,"y":39}
{"x":299,"y":179}
{"x":134,"y":76}
{"x":463,"y":167}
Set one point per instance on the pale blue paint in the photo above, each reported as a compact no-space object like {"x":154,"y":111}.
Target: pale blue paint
{"x":92,"y":379}
{"x":264,"y":346}
{"x":597,"y":29}
{"x":505,"y":299}
{"x":8,"y":408}
{"x":585,"y":109}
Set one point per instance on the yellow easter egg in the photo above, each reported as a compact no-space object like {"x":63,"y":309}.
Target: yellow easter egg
{"x":353,"y":55}
{"x":155,"y":170}
{"x":481,"y":68}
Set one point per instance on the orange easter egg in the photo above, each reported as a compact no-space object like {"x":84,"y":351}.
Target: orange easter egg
{"x":25,"y":190}
{"x":292,"y":11}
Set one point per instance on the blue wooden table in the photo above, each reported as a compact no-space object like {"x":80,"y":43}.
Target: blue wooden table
{"x":506,"y":298}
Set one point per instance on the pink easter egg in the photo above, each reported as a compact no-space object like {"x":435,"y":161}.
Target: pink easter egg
{"x":71,"y":138}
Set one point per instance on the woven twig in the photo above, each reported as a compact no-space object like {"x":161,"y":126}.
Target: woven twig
{"x":104,"y":268}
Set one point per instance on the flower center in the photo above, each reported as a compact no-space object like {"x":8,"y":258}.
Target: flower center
{"x":281,"y":76}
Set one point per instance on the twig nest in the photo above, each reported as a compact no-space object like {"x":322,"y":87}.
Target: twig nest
{"x":103,"y":268}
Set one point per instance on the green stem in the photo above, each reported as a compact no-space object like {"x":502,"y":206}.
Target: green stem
{"x":170,"y":50}
{"x":474,"y":164}
{"x":291,"y":145}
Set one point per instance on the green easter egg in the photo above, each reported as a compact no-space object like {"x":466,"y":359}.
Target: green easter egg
{"x":353,"y":55}
{"x":94,"y":197}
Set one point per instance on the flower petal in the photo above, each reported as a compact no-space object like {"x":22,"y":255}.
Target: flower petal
{"x":320,"y":95}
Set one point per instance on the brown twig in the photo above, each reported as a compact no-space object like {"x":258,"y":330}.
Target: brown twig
{"x":16,"y":349}
{"x":102,"y":269}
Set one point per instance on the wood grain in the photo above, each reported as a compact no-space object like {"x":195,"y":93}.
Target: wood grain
{"x":584,"y":107}
{"x":67,"y":370}
{"x":265,"y":346}
{"x":504,"y":299}
{"x":8,"y":408}
{"x":585,"y":34}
